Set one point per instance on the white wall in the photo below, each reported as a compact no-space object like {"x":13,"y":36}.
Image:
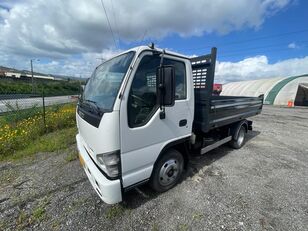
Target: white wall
{"x":288,"y":92}
{"x":264,"y":86}
{"x":17,"y":75}
{"x":250,"y":88}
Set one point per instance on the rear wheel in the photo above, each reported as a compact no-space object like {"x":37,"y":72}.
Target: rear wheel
{"x":167,"y":171}
{"x":239,"y":141}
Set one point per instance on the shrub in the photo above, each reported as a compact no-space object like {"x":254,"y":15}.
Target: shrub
{"x":51,"y":87}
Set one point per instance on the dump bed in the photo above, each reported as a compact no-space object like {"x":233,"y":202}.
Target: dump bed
{"x":217,"y":111}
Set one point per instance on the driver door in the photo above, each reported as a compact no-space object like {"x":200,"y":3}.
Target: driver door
{"x":143,"y":133}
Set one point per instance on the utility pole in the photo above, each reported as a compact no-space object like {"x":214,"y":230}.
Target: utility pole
{"x":32,"y":80}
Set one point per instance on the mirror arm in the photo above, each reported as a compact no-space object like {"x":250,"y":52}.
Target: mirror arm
{"x":162,"y":114}
{"x":162,"y":58}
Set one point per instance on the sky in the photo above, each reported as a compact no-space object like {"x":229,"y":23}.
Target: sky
{"x":255,"y":38}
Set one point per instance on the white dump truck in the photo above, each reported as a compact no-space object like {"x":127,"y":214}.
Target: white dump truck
{"x":145,"y":111}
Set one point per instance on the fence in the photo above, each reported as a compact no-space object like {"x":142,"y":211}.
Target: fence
{"x":27,"y":117}
{"x":14,"y":107}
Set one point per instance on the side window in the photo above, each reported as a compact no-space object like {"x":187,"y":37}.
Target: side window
{"x":142,"y":102}
{"x":180,"y":78}
{"x":142,"y":97}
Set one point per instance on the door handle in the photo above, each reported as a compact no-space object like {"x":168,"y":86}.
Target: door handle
{"x":183,"y":123}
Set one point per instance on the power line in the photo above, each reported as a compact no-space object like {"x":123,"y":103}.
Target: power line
{"x":249,"y":40}
{"x":109,"y":24}
{"x":144,"y":34}
{"x":261,"y":47}
{"x":240,"y":54}
{"x":115,"y":21}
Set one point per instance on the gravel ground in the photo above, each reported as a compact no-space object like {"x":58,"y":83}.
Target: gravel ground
{"x":263,"y":186}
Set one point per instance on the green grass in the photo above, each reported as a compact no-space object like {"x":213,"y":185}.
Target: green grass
{"x":8,"y":176}
{"x":2,"y":225}
{"x":18,"y":135}
{"x":155,"y":227}
{"x":72,"y":155}
{"x":197,"y":216}
{"x":38,"y":213}
{"x":52,"y":142}
{"x":22,"y":220}
{"x":115,"y":211}
{"x":36,"y":216}
{"x":51,"y":87}
{"x":16,"y":114}
{"x":2,"y":120}
{"x":183,"y":227}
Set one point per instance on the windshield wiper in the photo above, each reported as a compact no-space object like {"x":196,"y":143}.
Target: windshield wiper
{"x":94,"y":105}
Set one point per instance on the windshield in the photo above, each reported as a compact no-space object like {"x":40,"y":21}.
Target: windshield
{"x":104,"y":84}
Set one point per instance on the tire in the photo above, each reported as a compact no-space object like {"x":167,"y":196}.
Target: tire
{"x":167,"y":171}
{"x":240,"y":139}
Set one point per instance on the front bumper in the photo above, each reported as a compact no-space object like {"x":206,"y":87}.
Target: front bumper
{"x":108,"y":190}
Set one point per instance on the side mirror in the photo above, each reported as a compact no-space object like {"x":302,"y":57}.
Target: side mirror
{"x":165,"y":84}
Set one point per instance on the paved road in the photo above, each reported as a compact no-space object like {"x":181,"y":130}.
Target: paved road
{"x":25,"y":103}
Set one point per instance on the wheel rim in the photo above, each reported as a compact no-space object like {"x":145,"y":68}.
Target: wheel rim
{"x":241,"y":136}
{"x":169,"y":172}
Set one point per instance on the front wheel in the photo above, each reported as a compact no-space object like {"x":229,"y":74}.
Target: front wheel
{"x":167,"y":171}
{"x":240,"y":139}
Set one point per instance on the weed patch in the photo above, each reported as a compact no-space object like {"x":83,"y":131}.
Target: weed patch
{"x":22,"y":220}
{"x":115,"y":211}
{"x":20,"y":135}
{"x":72,"y":155}
{"x":51,"y":142}
{"x":183,"y":227}
{"x":39,"y":212}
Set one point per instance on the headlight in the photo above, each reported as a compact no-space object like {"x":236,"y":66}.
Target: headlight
{"x":110,"y":162}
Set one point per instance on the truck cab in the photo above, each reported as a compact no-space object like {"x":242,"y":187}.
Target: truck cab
{"x":136,"y":119}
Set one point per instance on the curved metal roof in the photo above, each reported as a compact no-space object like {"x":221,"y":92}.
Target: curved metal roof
{"x":271,"y":96}
{"x":250,"y":88}
{"x":276,"y":91}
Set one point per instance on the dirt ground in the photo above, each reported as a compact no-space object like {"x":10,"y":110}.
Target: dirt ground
{"x":263,"y":186}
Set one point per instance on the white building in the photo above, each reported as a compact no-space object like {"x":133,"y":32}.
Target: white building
{"x":26,"y":75}
{"x":289,"y":91}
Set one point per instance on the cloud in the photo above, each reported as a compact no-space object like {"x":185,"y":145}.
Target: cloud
{"x":71,"y":36}
{"x":60,"y":28}
{"x":293,"y":46}
{"x":259,"y":68}
{"x":80,"y":66}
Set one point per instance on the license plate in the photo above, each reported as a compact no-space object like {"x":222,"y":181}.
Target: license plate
{"x":81,"y":160}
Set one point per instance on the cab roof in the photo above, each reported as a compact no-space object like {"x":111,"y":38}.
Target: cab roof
{"x":139,"y":49}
